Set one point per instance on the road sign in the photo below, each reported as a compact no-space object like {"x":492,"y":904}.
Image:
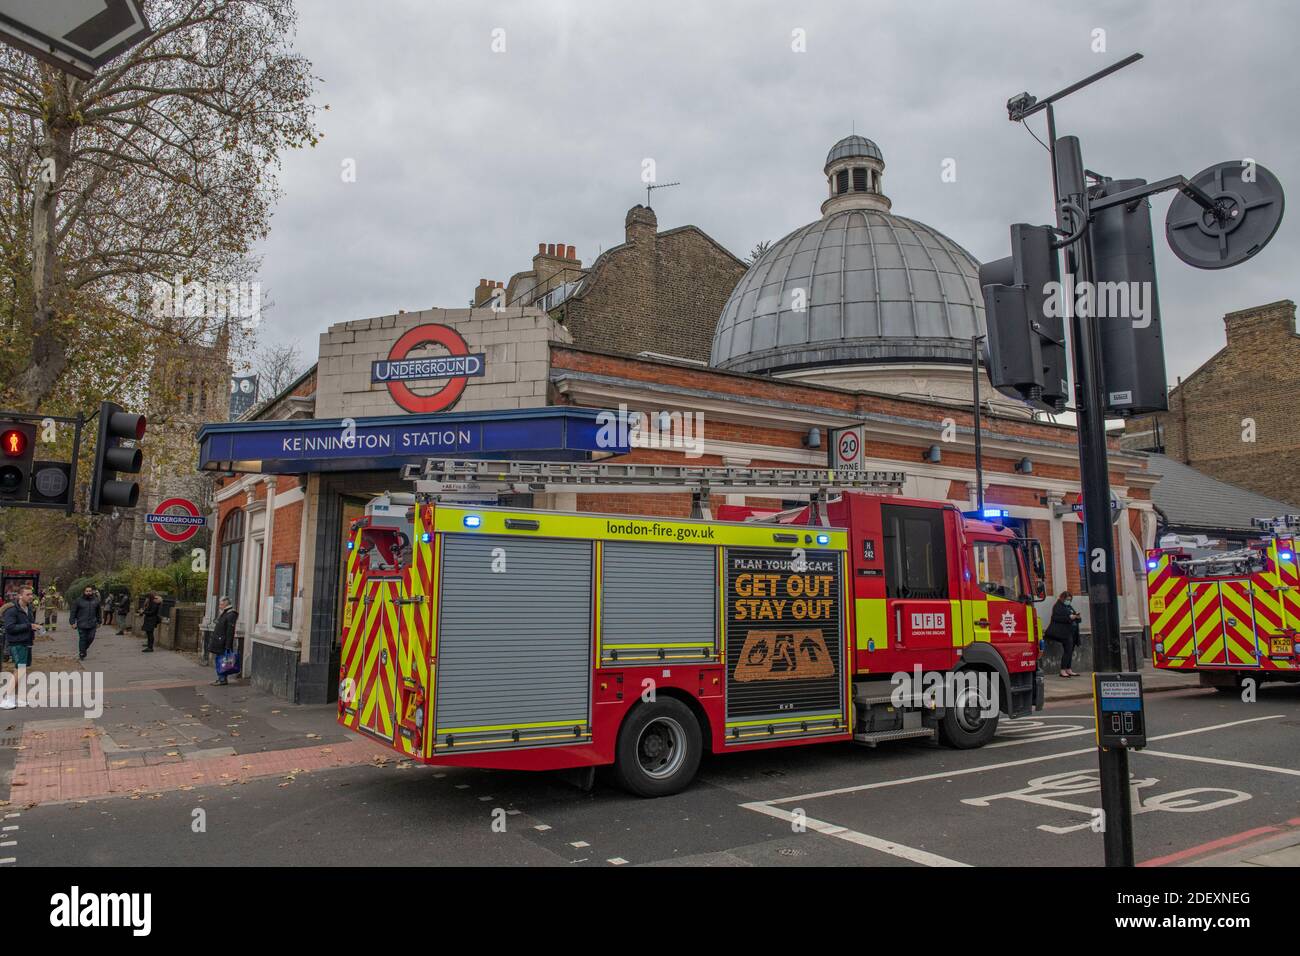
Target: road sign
{"x":847,"y":452}
{"x":176,"y":525}
{"x":77,"y":36}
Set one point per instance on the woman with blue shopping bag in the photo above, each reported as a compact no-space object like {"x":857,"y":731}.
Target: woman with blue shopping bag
{"x":222,"y":642}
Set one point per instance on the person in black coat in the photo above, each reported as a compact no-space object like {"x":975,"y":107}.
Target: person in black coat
{"x":152,"y":614}
{"x":1062,"y":629}
{"x":223,"y":636}
{"x":19,"y":624}
{"x":84,"y":616}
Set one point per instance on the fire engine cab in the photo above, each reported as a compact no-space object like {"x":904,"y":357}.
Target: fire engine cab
{"x":490,"y":636}
{"x":1229,"y":614}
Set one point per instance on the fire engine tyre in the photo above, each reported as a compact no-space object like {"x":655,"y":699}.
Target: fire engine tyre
{"x":659,"y":748}
{"x":965,"y":727}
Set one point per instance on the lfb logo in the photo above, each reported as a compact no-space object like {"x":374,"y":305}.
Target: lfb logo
{"x":1008,"y":622}
{"x":929,"y":621}
{"x":458,"y":366}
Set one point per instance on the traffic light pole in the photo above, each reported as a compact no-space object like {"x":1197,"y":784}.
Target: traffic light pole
{"x":1094,"y":473}
{"x":1070,"y":194}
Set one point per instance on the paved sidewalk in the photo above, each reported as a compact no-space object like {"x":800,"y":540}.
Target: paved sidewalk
{"x":1154,"y":681}
{"x":1277,"y":845}
{"x":162,"y":727}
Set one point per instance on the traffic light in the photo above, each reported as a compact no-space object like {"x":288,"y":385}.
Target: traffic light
{"x":1124,"y":264}
{"x":52,"y":483}
{"x":1026,"y":357}
{"x":112,"y":459}
{"x":17,"y":445}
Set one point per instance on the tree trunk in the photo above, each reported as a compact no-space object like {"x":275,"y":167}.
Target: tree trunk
{"x":49,"y":357}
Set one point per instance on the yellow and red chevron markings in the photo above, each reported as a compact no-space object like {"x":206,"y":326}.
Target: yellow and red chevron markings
{"x":1238,"y":623}
{"x":1171,"y":613}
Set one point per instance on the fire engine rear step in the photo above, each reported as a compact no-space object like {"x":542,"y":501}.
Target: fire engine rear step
{"x":880,"y":736}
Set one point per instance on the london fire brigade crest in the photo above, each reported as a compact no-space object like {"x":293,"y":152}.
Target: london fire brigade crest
{"x":783,"y":655}
{"x":1008,"y":623}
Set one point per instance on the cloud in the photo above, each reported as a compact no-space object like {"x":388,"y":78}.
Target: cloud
{"x":467,"y":158}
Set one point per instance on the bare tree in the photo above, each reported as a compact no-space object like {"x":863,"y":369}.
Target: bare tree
{"x":158,"y":174}
{"x":277,"y":366}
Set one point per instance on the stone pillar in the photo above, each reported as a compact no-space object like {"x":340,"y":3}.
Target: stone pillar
{"x":1057,"y":534}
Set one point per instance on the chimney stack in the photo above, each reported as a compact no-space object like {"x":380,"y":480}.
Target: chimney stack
{"x":641,"y":224}
{"x":483,"y":294}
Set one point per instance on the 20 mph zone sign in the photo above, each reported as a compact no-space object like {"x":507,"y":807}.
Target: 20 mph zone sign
{"x":847,"y":452}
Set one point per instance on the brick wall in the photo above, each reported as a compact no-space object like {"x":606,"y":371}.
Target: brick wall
{"x":657,"y":292}
{"x":1254,"y":378}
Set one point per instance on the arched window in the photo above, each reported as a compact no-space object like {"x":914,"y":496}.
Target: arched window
{"x":231,"y":549}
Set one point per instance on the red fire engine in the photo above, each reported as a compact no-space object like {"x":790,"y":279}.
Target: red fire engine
{"x":488,"y":636}
{"x":1229,"y":614}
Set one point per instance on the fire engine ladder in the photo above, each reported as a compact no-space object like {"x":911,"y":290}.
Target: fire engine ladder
{"x":1241,"y":561}
{"x":439,"y":477}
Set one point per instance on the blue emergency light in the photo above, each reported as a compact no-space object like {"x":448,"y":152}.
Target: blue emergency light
{"x":994,"y":513}
{"x":823,"y":539}
{"x":1153,"y":564}
{"x":350,"y":545}
{"x":1285,"y":555}
{"x":426,"y":537}
{"x":473,"y":521}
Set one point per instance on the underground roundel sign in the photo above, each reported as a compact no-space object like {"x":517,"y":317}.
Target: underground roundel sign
{"x":176,"y":520}
{"x":454,"y":369}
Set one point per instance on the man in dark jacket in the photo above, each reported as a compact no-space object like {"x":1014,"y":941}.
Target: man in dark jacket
{"x":1061,"y":628}
{"x":223,"y":636}
{"x":84,"y":616}
{"x":19,"y":623}
{"x":152,"y":615}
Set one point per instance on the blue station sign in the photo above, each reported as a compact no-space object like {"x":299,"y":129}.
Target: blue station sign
{"x":300,"y":446}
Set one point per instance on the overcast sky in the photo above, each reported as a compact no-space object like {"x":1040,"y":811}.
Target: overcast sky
{"x":466,"y":158}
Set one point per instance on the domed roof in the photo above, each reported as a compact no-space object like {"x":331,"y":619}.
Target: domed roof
{"x":858,"y":286}
{"x":854,"y":145}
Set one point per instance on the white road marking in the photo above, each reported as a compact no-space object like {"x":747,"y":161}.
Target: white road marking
{"x":8,"y":828}
{"x":994,"y":766}
{"x":617,"y":861}
{"x":1223,"y":763}
{"x":579,"y":844}
{"x":922,"y":857}
{"x":1038,"y":739}
{"x":8,"y":859}
{"x":9,"y":843}
{"x":542,"y":826}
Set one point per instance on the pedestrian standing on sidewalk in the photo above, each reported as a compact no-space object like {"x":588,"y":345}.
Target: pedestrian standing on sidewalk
{"x":152,"y":614}
{"x":123,"y":612}
{"x":109,"y":603}
{"x":4,"y":642}
{"x":19,"y":624}
{"x":84,"y":616}
{"x":1061,"y":629}
{"x":223,"y":636}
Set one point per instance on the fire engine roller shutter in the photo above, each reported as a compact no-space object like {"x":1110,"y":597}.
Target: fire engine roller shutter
{"x":784,"y":662}
{"x":657,"y":597}
{"x":514,"y":647}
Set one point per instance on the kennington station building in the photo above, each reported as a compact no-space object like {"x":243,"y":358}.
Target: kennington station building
{"x":860,"y":319}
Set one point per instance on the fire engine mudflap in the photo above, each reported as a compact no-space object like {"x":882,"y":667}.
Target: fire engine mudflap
{"x":499,"y":638}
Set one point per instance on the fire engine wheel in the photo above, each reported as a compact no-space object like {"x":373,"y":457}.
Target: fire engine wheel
{"x":967,"y":725}
{"x":658,"y":749}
